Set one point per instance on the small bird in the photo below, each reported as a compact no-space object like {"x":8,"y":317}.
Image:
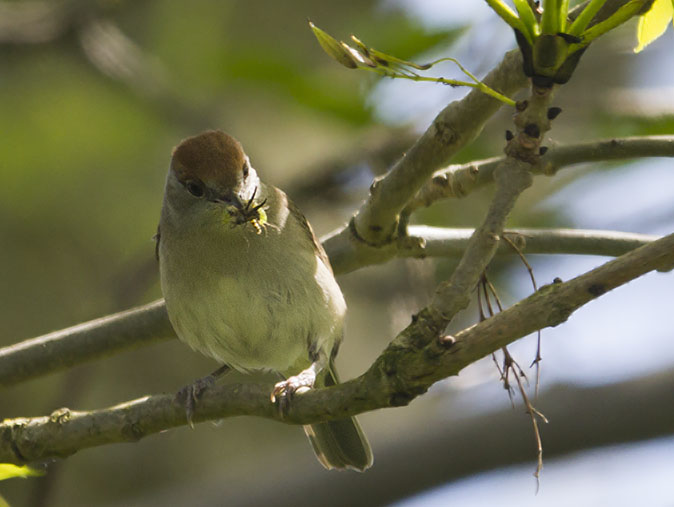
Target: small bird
{"x":247,"y":283}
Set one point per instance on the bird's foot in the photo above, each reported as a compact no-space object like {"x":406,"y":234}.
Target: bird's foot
{"x":284,"y":391}
{"x":188,"y":395}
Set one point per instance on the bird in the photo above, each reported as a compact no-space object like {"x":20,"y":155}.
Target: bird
{"x":247,"y":283}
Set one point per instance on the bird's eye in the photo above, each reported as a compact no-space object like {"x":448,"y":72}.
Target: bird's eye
{"x":245,"y":169}
{"x":195,"y":188}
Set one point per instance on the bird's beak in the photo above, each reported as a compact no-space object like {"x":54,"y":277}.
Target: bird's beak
{"x":231,"y":200}
{"x":240,"y":210}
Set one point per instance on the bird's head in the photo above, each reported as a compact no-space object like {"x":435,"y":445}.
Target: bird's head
{"x":211,"y":173}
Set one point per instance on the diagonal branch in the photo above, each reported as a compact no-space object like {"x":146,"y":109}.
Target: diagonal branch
{"x":458,"y":124}
{"x":91,"y":340}
{"x":512,"y":177}
{"x":402,"y":372}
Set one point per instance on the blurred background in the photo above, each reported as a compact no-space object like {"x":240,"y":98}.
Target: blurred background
{"x":95,"y":94}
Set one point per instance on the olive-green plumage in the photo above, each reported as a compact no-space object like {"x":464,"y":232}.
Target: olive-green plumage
{"x":247,"y":283}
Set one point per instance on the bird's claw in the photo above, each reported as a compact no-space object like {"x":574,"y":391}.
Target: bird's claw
{"x":189,"y":395}
{"x":284,"y":391}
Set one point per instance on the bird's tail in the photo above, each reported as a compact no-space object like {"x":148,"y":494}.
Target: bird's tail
{"x":340,"y":443}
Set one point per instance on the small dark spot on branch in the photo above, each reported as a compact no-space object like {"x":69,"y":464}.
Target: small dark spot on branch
{"x":521,"y":105}
{"x":444,"y":133}
{"x":532,"y":130}
{"x":401,"y":399}
{"x":432,"y":352}
{"x":553,"y":112}
{"x":441,"y":181}
{"x":17,"y":452}
{"x":132,"y":432}
{"x":509,"y":135}
{"x":389,"y":367}
{"x":376,"y":228}
{"x":542,"y":150}
{"x":596,"y":289}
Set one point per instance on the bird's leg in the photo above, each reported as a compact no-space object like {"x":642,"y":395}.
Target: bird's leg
{"x":284,"y":391}
{"x":189,"y":394}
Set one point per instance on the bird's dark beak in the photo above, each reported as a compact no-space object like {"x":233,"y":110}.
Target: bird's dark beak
{"x":231,"y":200}
{"x":241,"y":211}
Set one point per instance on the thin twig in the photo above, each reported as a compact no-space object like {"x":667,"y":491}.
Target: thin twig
{"x":538,"y":358}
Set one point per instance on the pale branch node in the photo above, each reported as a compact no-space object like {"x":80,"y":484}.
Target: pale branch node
{"x":403,"y":371}
{"x":147,"y":324}
{"x":461,"y":179}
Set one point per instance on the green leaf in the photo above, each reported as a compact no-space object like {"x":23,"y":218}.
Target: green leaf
{"x":552,"y":16}
{"x":527,"y":17}
{"x":507,"y":15}
{"x":333,"y":47}
{"x":9,"y":471}
{"x":654,"y":23}
{"x":624,"y":13}
{"x":585,"y":17}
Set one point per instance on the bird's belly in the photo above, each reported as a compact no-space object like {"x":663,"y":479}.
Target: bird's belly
{"x":249,"y":327}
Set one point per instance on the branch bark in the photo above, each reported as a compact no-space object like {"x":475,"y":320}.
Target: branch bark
{"x":453,"y":446}
{"x":459,"y":123}
{"x":403,"y":371}
{"x":92,"y":340}
{"x":461,"y":179}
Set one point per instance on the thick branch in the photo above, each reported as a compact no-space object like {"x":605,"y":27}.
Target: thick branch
{"x":402,"y":372}
{"x":458,"y":124}
{"x":451,"y":447}
{"x":92,"y":340}
{"x":461,"y":179}
{"x":512,"y":177}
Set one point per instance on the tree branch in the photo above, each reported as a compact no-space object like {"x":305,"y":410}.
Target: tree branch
{"x":461,"y":179}
{"x":452,"y":446}
{"x":147,"y":324}
{"x":512,"y":177}
{"x":402,"y":372}
{"x":92,"y":340}
{"x":459,"y":123}
{"x":441,"y":242}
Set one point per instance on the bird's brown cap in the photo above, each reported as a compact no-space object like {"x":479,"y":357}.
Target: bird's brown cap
{"x":213,"y":157}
